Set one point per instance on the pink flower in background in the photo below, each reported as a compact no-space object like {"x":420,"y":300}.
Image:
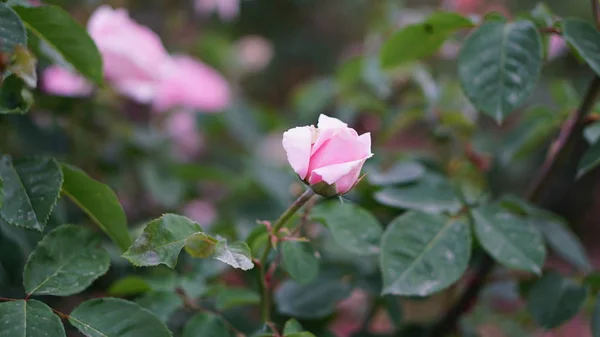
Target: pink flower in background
{"x":332,"y":153}
{"x":201,"y":211}
{"x":131,"y":52}
{"x":182,"y":129}
{"x":576,"y":327}
{"x":192,"y":85}
{"x":557,"y":46}
{"x":464,"y":6}
{"x":227,"y":9}
{"x":253,"y":53}
{"x":350,"y":314}
{"x":139,"y":67}
{"x":59,"y":81}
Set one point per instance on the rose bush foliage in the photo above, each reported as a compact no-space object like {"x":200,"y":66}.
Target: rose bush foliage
{"x":147,"y":190}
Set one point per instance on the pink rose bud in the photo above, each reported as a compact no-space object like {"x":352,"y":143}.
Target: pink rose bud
{"x":62,"y":82}
{"x":192,"y":85}
{"x":328,"y":158}
{"x":131,"y":52}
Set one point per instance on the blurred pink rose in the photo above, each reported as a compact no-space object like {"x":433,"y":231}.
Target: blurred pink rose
{"x":59,"y":81}
{"x":203,"y":212}
{"x":182,"y":129}
{"x":464,"y":6}
{"x":227,"y":9}
{"x":332,"y":153}
{"x":131,"y":52}
{"x":190,"y":84}
{"x":253,"y":53}
{"x":269,"y":149}
{"x":576,"y":327}
{"x":350,"y":314}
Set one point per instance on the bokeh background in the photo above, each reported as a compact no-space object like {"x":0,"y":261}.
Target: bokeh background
{"x":285,"y":62}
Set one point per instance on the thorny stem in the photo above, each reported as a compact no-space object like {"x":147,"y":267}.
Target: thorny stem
{"x":549,"y":30}
{"x":263,"y":282}
{"x":569,"y":137}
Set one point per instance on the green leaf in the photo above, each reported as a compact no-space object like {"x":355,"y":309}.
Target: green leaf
{"x":495,"y":17}
{"x":29,"y":318}
{"x":596,"y":318}
{"x":499,"y":66}
{"x":542,"y":15}
{"x":394,"y":310}
{"x":161,"y":279}
{"x":585,"y":39}
{"x":554,"y":229}
{"x":531,"y":134}
{"x":589,"y":161}
{"x":512,"y":241}
{"x":432,"y":194}
{"x":257,"y":240}
{"x":354,"y":228}
{"x":58,"y":29}
{"x":312,"y":97}
{"x":564,"y":242}
{"x":236,"y":254}
{"x":206,"y":324}
{"x":24,"y":65}
{"x":228,"y":298}
{"x":164,"y":188}
{"x":162,"y":303}
{"x":194,"y":285}
{"x":310,"y":301}
{"x":592,"y":133}
{"x":300,"y":262}
{"x":422,"y":253}
{"x":12,"y":30}
{"x":291,"y":326}
{"x":13,"y":3}
{"x":401,"y":173}
{"x":65,"y":262}
{"x":116,"y":317}
{"x":264,"y":331}
{"x":128,"y":286}
{"x":592,"y":282}
{"x":420,"y":40}
{"x":300,"y":334}
{"x":31,"y":189}
{"x":200,"y":245}
{"x":99,"y":202}
{"x":15,"y":98}
{"x":554,"y":300}
{"x":161,"y":241}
